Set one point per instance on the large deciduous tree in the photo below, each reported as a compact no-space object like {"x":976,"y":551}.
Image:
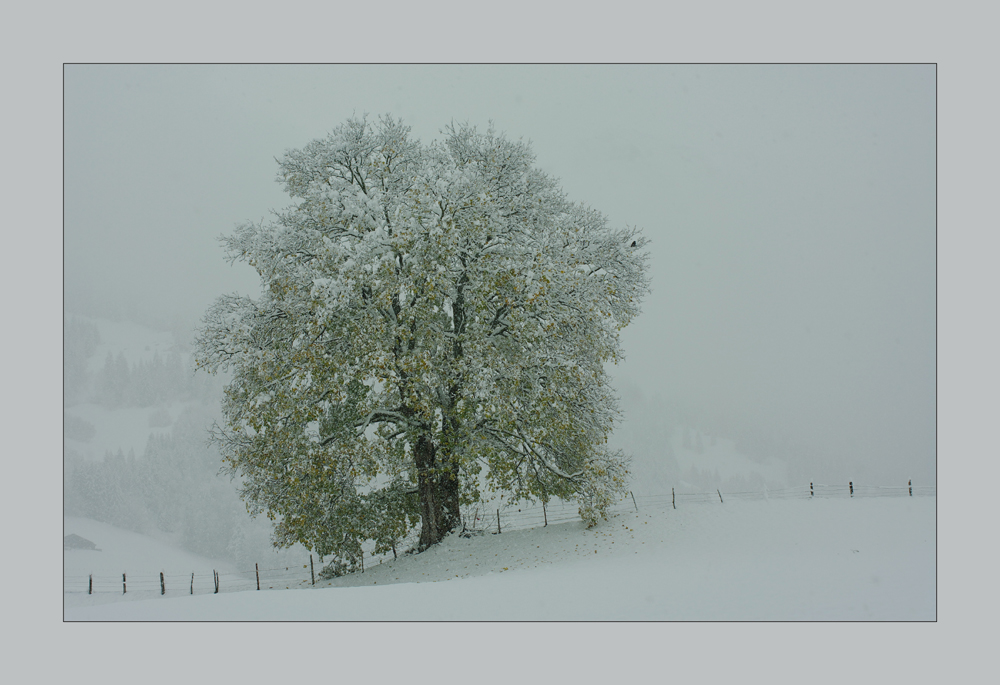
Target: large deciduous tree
{"x":433,"y":323}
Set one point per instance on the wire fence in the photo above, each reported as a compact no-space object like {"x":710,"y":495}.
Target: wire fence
{"x":477,"y":520}
{"x":152,"y":583}
{"x":521,"y":516}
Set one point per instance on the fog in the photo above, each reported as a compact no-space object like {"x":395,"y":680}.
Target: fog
{"x":791,"y":211}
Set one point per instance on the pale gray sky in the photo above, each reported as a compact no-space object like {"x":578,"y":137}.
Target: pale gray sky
{"x":791,"y":211}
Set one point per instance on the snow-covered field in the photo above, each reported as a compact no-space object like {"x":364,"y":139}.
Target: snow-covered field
{"x":822,"y":559}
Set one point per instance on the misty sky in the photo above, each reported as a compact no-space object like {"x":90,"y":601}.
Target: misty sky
{"x":791,"y":211}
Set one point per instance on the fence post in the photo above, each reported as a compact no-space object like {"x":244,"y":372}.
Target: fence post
{"x":256,"y":569}
{"x":362,"y":561}
{"x":90,"y":587}
{"x":910,"y":483}
{"x":851,"y":484}
{"x":123,"y":583}
{"x":215,"y":577}
{"x":673,"y":498}
{"x":633,"y":502}
{"x":163,"y":587}
{"x":811,"y":493}
{"x":498,"y":522}
{"x":720,"y":495}
{"x":312,"y":572}
{"x":394,"y":550}
{"x":192,"y":583}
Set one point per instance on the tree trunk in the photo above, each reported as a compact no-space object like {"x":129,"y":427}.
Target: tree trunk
{"x":437,"y":486}
{"x":448,"y":489}
{"x":430,"y":507}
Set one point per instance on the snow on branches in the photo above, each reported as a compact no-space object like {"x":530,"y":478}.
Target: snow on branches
{"x":434,"y":320}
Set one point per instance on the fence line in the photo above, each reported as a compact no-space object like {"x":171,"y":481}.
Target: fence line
{"x":478,"y":520}
{"x":148,"y":583}
{"x":523,"y":516}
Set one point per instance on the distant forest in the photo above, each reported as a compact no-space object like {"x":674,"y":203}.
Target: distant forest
{"x":173,"y":488}
{"x":117,"y":384}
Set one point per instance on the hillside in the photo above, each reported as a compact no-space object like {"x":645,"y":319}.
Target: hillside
{"x":819,"y":559}
{"x":855,"y":559}
{"x":124,"y":383}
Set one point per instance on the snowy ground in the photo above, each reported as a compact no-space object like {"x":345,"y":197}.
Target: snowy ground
{"x":821,"y":559}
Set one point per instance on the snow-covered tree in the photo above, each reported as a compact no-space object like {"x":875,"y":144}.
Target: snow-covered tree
{"x":434,"y":320}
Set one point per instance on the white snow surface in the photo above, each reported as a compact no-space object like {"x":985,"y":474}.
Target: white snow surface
{"x":121,"y":551}
{"x":819,"y":559}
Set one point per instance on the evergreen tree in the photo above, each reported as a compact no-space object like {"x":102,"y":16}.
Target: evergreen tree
{"x":121,"y":385}
{"x":80,"y":340}
{"x":106,"y":382}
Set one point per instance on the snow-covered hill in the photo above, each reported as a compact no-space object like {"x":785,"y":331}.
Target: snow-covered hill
{"x":94,"y":427}
{"x":820,"y":559}
{"x":813,"y":559}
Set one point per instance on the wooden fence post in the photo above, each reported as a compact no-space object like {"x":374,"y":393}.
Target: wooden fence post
{"x":498,"y":522}
{"x":192,"y":583}
{"x":312,"y":572}
{"x":215,"y":577}
{"x":394,"y":550}
{"x":123,"y":583}
{"x":720,"y":495}
{"x":673,"y":498}
{"x":362,"y":561}
{"x":256,"y":568}
{"x":90,"y":587}
{"x":633,"y":502}
{"x":163,"y":587}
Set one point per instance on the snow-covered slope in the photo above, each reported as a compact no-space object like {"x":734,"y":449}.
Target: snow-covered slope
{"x":828,"y":559}
{"x":100,"y":428}
{"x":120,"y":551}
